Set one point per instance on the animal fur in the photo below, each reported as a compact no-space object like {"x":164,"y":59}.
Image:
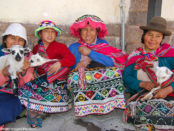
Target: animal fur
{"x":162,"y":74}
{"x":15,"y":60}
{"x":37,"y":60}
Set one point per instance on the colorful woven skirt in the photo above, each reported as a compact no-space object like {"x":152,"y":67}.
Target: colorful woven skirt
{"x":102,"y":94}
{"x":45,"y":97}
{"x":156,"y":112}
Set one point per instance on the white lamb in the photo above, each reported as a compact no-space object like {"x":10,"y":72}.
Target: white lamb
{"x":163,"y":74}
{"x":37,"y":60}
{"x":15,"y":60}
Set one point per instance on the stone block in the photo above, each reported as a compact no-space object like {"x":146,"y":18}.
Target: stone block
{"x":114,"y":29}
{"x":68,"y":40}
{"x":30,"y":29}
{"x":65,"y":30}
{"x":170,"y":25}
{"x":133,"y":34}
{"x":132,"y":46}
{"x":113,"y":41}
{"x":137,"y":18}
{"x":139,"y":5}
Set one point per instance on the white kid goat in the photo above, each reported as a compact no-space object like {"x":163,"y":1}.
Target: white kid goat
{"x":163,"y":74}
{"x":15,"y":60}
{"x":37,"y":60}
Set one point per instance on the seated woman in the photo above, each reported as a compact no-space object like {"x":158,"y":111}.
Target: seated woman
{"x":10,"y":105}
{"x":96,"y":79}
{"x":48,"y":93}
{"x":139,"y":77}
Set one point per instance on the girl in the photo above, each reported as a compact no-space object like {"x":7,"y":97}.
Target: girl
{"x":10,"y":106}
{"x":49,"y":93}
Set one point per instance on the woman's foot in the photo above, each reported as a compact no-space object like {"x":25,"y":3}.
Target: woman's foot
{"x":35,"y":121}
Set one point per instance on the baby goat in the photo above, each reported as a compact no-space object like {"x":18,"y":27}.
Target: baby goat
{"x":15,"y":60}
{"x":163,"y":74}
{"x":37,"y":60}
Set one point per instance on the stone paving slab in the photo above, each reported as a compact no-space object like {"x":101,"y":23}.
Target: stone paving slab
{"x":68,"y":122}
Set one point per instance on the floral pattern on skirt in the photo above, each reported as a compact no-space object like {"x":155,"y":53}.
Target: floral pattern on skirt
{"x":104,"y":91}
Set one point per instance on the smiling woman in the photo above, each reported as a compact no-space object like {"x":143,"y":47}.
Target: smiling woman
{"x":139,"y":77}
{"x":152,"y":40}
{"x":96,"y":78}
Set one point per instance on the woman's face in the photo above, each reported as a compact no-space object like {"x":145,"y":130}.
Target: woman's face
{"x":88,"y":34}
{"x":48,"y":35}
{"x":14,"y":40}
{"x":152,"y":40}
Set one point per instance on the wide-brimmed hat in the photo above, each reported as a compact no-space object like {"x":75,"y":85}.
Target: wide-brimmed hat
{"x":93,"y":21}
{"x":47,"y":24}
{"x":16,"y":29}
{"x":157,"y":24}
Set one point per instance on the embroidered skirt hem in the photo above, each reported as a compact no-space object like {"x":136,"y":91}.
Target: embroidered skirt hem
{"x":47,"y":108}
{"x":99,"y":108}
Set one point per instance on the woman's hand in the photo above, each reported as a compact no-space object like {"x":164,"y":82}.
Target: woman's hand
{"x":81,"y":64}
{"x":5,"y":71}
{"x":54,"y":68}
{"x":147,"y":85}
{"x":84,"y":50}
{"x":25,"y":66}
{"x":163,"y":92}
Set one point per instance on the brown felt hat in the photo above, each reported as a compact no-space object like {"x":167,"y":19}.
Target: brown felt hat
{"x":157,"y":24}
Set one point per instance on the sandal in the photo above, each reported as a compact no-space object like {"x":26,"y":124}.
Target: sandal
{"x":39,"y":118}
{"x":35,"y":121}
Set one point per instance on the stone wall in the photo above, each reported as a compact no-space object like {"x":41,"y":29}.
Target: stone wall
{"x":137,"y":16}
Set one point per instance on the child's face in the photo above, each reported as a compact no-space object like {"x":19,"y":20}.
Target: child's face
{"x":47,"y":35}
{"x":14,"y":40}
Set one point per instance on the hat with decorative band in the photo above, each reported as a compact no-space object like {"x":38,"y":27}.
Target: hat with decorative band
{"x":48,"y":24}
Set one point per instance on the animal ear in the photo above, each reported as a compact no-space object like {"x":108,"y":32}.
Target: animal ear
{"x":167,"y":71}
{"x":27,"y":50}
{"x":6,"y":50}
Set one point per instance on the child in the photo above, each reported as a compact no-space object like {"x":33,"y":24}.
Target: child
{"x":51,"y":94}
{"x":10,"y":105}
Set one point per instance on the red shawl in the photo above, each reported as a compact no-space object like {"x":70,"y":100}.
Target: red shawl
{"x":139,"y":56}
{"x":119,"y":58}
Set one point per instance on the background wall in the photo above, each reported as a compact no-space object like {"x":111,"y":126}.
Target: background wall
{"x":60,"y":11}
{"x":167,"y":9}
{"x":64,"y":12}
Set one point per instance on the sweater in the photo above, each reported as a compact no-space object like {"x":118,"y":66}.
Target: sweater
{"x":56,"y":50}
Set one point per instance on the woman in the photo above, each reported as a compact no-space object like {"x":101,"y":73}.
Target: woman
{"x":96,"y":88}
{"x":10,"y":106}
{"x":139,"y":77}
